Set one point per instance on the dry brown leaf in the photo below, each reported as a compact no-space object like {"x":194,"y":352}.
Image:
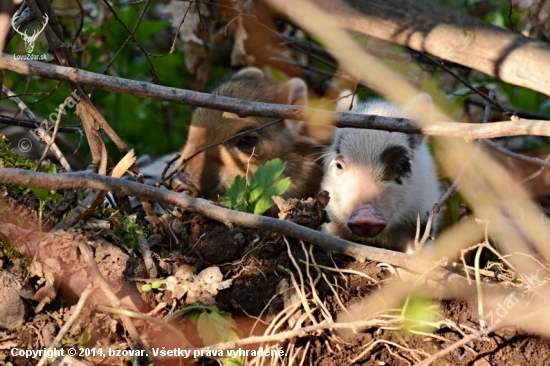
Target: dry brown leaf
{"x":239,"y":56}
{"x":202,"y":287}
{"x":124,"y":164}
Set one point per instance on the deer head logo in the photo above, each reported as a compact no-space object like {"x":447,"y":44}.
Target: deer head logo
{"x":29,"y":40}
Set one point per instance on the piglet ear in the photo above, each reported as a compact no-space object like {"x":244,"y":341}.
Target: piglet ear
{"x":250,"y":72}
{"x":420,"y":108}
{"x":345,"y":101}
{"x":294,"y":91}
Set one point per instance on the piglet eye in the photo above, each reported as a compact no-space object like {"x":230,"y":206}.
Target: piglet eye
{"x":339,"y":162}
{"x":247,"y":143}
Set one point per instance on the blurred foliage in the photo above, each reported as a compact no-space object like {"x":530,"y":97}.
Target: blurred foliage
{"x":421,"y":314}
{"x":149,"y":126}
{"x":9,"y":159}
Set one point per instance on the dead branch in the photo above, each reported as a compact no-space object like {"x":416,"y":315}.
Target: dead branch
{"x":246,"y":108}
{"x":227,"y":216}
{"x":456,"y":37}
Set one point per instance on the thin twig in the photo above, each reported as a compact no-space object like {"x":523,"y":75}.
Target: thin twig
{"x":487,"y":98}
{"x":132,"y":36}
{"x":76,"y":312}
{"x":81,"y":24}
{"x":40,"y":130}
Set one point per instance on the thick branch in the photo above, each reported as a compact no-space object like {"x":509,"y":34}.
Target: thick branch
{"x":247,"y":108}
{"x":224,"y":215}
{"x":468,"y":41}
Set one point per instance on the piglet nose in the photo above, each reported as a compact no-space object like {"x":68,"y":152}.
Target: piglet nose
{"x":366,"y":221}
{"x":179,"y":184}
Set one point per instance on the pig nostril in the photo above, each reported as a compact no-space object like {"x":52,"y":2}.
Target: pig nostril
{"x":190,"y":192}
{"x":365,"y":228}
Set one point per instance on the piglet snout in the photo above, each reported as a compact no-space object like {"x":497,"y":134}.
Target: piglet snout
{"x":366,"y":221}
{"x":180,"y":184}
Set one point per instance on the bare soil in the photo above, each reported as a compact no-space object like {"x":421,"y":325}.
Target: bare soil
{"x":37,"y":300}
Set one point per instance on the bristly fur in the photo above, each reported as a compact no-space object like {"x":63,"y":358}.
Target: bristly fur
{"x":392,"y":171}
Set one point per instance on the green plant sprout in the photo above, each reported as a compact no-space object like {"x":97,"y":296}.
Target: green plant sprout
{"x":45,"y":196}
{"x":84,"y":338}
{"x":149,"y":286}
{"x":69,"y":340}
{"x":128,"y":231}
{"x":283,"y":268}
{"x":214,"y":326}
{"x":255,"y":197}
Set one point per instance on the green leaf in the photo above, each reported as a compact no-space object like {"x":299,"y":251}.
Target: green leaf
{"x":264,"y":201}
{"x":236,"y":194}
{"x":264,"y":184}
{"x":45,"y":195}
{"x":147,"y":287}
{"x":266,"y":175}
{"x":156,"y":284}
{"x":256,"y":197}
{"x":283,"y":268}
{"x":57,"y":196}
{"x":42,"y":193}
{"x":84,"y":338}
{"x":214,"y":328}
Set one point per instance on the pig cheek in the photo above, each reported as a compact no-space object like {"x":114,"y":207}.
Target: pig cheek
{"x":391,"y":198}
{"x":341,"y":190}
{"x":331,"y":183}
{"x":233,"y":163}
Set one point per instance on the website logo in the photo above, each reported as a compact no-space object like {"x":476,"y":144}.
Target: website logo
{"x":29,"y":40}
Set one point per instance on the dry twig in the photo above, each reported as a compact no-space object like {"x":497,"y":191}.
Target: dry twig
{"x":247,"y":108}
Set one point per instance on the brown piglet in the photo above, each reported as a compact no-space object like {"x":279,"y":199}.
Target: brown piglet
{"x":210,"y":173}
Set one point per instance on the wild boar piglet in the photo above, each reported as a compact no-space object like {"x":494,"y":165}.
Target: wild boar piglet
{"x":210,"y":174}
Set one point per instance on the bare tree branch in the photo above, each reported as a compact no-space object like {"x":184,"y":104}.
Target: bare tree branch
{"x":247,"y":108}
{"x":468,"y":41}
